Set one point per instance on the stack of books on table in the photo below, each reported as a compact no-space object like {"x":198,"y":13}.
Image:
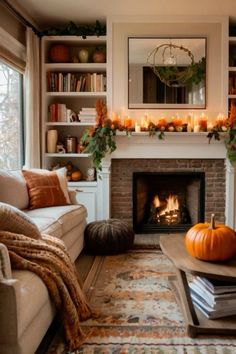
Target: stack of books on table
{"x":214,"y":298}
{"x":87,"y":115}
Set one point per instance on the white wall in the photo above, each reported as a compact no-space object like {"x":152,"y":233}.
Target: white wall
{"x":213,"y":28}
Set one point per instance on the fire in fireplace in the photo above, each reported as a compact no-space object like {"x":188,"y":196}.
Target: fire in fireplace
{"x":168,"y":211}
{"x":167,"y":202}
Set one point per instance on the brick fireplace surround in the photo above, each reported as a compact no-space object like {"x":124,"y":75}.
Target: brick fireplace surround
{"x":179,"y":152}
{"x":121,"y":182}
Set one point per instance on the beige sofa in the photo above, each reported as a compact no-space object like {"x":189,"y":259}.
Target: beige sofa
{"x":26,"y":310}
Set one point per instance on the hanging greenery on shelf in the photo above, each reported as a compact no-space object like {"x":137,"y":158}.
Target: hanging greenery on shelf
{"x":71,"y":29}
{"x":230,"y":140}
{"x":230,"y":135}
{"x":100,"y":140}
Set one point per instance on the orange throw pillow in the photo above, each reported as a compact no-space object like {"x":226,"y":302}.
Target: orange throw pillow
{"x":45,"y":189}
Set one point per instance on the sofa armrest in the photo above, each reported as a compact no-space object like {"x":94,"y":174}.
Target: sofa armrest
{"x":72,"y":196}
{"x":5,"y":264}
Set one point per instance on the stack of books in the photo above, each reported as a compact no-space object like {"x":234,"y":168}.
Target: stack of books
{"x":214,"y":298}
{"x":87,"y":115}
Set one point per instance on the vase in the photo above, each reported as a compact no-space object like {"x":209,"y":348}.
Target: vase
{"x":99,"y":56}
{"x":52,"y":137}
{"x":83,"y":55}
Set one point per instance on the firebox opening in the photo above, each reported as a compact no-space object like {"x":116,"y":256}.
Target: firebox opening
{"x":167,"y":202}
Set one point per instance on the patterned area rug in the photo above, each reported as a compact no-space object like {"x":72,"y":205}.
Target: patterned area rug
{"x":138,"y":312}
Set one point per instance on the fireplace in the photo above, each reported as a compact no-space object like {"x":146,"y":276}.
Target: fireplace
{"x":167,"y":201}
{"x":178,"y":152}
{"x":213,"y":170}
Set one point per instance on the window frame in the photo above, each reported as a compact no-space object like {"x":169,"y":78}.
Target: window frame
{"x":21,"y":133}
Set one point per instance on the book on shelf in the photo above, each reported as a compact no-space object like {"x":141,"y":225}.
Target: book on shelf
{"x":213,"y":298}
{"x":75,"y":82}
{"x":58,"y":112}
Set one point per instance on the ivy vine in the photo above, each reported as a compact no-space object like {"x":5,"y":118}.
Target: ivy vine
{"x":71,"y":29}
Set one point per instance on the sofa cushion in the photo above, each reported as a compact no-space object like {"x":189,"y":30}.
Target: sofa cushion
{"x":15,"y":220}
{"x":58,"y":220}
{"x":46,"y":188}
{"x":13,"y":189}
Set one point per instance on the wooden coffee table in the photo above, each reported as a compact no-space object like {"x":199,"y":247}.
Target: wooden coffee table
{"x":196,"y":323}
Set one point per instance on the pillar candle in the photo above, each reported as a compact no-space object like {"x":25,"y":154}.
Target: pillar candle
{"x":137,"y":128}
{"x":128,"y":122}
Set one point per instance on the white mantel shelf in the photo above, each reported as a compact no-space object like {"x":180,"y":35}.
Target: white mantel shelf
{"x":174,"y":146}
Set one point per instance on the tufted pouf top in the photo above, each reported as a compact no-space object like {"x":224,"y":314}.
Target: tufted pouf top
{"x":108,"y":236}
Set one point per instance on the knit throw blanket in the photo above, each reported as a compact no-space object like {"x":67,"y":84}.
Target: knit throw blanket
{"x":47,"y":257}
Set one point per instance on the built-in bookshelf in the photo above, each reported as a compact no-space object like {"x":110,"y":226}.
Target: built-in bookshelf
{"x":232,"y":72}
{"x":69,"y":93}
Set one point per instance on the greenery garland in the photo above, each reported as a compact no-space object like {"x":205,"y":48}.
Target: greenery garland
{"x":100,"y":140}
{"x":71,"y":29}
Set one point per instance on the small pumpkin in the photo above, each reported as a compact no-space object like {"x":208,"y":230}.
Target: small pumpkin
{"x":211,"y":242}
{"x":76,"y":175}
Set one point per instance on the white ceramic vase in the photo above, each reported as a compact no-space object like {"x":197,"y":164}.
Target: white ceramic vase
{"x":52,"y":137}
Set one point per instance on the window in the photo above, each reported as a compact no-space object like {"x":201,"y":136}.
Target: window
{"x":11,"y":118}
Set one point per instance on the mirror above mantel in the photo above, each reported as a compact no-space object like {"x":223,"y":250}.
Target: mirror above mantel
{"x":166,"y":73}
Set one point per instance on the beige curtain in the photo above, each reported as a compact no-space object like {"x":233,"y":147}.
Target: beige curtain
{"x":32,"y":101}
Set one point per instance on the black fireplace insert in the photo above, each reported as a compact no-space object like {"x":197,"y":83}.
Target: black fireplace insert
{"x":167,"y":201}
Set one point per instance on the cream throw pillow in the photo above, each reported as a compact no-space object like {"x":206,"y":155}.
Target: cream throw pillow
{"x":13,"y":189}
{"x":16,"y":221}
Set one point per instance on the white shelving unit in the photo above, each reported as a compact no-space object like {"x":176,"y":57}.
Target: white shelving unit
{"x":231,"y":73}
{"x":86,"y":190}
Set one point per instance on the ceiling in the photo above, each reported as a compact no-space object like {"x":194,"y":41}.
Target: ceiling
{"x":51,"y":13}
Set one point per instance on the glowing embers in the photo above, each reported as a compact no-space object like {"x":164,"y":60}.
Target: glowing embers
{"x":168,"y":211}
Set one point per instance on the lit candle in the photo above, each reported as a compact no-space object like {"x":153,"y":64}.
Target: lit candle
{"x":190,"y":123}
{"x":115,"y":120}
{"x":209,"y":126}
{"x":114,"y":117}
{"x":128,"y":122}
{"x":144,"y":122}
{"x":137,"y":128}
{"x":202,"y":122}
{"x":220,"y":119}
{"x":196,"y":128}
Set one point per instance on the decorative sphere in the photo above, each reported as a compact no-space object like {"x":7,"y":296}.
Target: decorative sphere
{"x":59,"y":53}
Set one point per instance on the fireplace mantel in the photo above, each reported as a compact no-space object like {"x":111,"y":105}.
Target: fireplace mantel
{"x":173,"y":146}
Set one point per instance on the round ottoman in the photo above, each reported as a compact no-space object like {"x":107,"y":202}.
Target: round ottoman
{"x":108,"y":236}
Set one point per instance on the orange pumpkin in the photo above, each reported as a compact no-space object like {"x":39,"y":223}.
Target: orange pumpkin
{"x":76,"y":175}
{"x":210,"y":242}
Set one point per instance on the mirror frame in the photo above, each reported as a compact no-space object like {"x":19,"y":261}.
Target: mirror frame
{"x":166,"y":105}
